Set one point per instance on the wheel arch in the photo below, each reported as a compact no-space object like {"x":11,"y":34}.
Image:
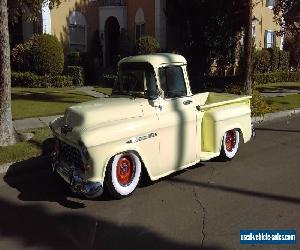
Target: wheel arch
{"x":236,"y":127}
{"x":120,"y":151}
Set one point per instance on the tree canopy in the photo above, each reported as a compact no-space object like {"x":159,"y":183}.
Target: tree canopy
{"x":287,"y":14}
{"x":206,"y":31}
{"x":34,"y":7}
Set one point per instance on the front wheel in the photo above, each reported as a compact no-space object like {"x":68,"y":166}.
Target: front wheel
{"x":123,"y":174}
{"x":230,"y":144}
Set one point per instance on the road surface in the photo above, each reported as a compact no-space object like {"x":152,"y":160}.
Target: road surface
{"x":203,"y":207}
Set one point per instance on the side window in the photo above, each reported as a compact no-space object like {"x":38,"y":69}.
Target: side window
{"x":172,"y":81}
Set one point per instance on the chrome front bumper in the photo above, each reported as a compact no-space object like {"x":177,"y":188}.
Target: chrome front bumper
{"x":76,"y":180}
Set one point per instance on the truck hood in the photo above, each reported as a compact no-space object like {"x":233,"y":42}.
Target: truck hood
{"x":103,"y":110}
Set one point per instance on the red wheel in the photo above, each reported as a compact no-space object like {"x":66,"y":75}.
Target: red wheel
{"x":125,"y":170}
{"x":230,"y":140}
{"x":230,"y":144}
{"x":123,"y":174}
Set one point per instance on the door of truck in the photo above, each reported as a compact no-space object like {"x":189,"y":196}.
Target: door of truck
{"x":177,"y":121}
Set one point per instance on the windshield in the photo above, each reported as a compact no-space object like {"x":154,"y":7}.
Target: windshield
{"x":135,"y":79}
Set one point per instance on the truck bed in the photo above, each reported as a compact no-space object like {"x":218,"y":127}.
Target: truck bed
{"x":211,"y":99}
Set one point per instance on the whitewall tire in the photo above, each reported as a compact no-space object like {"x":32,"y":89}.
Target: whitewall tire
{"x":230,"y":144}
{"x":123,"y":174}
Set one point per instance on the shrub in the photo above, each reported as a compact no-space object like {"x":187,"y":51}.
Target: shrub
{"x":109,"y":80}
{"x":235,"y":89}
{"x":47,"y":55}
{"x":147,"y":45}
{"x":74,"y":59}
{"x":284,"y":61}
{"x":20,"y":57}
{"x":262,"y":60}
{"x":76,"y":73}
{"x":42,"y":54}
{"x":30,"y":80}
{"x":271,"y":59}
{"x":272,"y":77}
{"x":274,"y":58}
{"x":292,"y":45}
{"x":259,"y":105}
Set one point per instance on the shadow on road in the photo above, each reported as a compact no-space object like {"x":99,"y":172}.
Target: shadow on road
{"x":35,"y":181}
{"x":241,"y":191}
{"x":277,"y":130}
{"x":32,"y":226}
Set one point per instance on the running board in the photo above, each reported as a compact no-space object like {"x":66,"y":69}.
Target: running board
{"x":205,"y":156}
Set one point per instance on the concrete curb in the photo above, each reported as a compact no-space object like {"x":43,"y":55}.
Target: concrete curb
{"x":4,"y":168}
{"x":273,"y":116}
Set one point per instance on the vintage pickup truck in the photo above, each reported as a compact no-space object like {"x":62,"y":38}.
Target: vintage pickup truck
{"x":151,"y":123}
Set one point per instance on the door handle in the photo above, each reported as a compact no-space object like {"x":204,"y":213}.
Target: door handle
{"x":187,"y":102}
{"x":199,"y":108}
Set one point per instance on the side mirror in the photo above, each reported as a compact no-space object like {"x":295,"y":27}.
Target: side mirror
{"x":151,"y":94}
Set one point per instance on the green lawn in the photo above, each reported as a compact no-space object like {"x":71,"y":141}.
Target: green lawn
{"x":278,"y":86}
{"x":106,"y":91}
{"x":25,"y":150}
{"x":35,"y":102}
{"x":281,"y":103}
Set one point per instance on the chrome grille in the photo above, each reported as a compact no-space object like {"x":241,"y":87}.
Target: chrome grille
{"x":70,"y":155}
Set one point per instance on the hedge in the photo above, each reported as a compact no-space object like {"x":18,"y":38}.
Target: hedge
{"x":273,"y":77}
{"x":271,"y":59}
{"x":30,"y":80}
{"x":47,"y":55}
{"x":76,"y":73}
{"x":41,"y":54}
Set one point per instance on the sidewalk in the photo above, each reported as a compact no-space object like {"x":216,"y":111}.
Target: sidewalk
{"x":29,"y":123}
{"x":280,"y":92}
{"x":89,"y":90}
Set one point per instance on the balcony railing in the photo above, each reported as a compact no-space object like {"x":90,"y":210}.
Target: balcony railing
{"x":113,"y":2}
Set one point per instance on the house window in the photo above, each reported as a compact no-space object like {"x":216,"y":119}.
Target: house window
{"x":77,"y":31}
{"x":254,"y":35}
{"x":270,"y":39}
{"x":139,"y":24}
{"x":253,"y":31}
{"x":270,"y":3}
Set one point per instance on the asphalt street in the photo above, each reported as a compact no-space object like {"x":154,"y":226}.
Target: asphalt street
{"x":204,"y":207}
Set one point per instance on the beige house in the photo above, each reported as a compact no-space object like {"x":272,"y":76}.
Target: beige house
{"x":263,"y":26}
{"x":76,"y":23}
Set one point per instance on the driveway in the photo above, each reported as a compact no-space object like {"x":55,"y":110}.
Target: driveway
{"x":203,"y":207}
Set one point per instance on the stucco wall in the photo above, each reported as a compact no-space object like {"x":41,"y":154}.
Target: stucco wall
{"x":60,"y":17}
{"x":265,"y":22}
{"x":148,"y":7}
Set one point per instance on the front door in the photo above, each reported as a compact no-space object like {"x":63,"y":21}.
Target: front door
{"x":177,"y":122}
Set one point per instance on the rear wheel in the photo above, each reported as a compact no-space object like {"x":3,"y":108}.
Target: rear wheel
{"x":123,"y":174}
{"x":230,"y":144}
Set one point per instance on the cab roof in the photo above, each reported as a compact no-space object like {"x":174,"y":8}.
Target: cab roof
{"x":156,"y":60}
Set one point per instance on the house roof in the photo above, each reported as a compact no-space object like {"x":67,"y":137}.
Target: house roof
{"x":156,"y":60}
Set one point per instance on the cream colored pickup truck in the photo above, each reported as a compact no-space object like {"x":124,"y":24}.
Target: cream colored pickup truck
{"x":151,"y":124}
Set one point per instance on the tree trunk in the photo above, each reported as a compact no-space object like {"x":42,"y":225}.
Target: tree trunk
{"x":8,"y":134}
{"x":248,"y":49}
